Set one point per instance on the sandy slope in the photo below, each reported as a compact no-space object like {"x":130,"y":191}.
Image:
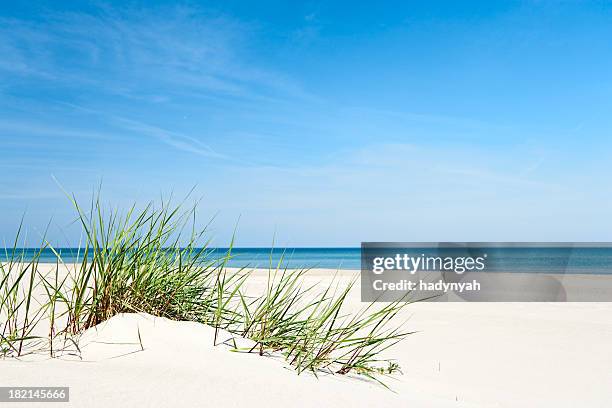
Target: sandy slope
{"x":180,"y":367}
{"x":468,"y":354}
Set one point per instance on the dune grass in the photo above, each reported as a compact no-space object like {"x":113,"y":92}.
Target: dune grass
{"x":20,"y":310}
{"x":154,"y":260}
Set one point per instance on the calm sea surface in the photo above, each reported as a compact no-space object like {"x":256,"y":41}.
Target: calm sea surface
{"x":334,"y":258}
{"x":570,"y":260}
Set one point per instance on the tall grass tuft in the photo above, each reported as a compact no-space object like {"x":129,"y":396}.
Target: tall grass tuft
{"x":313,"y":330}
{"x":154,"y":260}
{"x":20,"y":310}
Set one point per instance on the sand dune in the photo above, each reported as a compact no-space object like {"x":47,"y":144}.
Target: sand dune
{"x":465,"y":354}
{"x":180,"y":367}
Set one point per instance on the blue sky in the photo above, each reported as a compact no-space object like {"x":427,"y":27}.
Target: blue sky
{"x":320,"y":123}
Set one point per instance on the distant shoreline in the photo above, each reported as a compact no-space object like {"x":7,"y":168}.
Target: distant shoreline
{"x":561,"y":261}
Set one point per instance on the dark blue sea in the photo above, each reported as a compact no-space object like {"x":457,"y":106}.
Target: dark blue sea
{"x":333,"y":258}
{"x":585,"y":260}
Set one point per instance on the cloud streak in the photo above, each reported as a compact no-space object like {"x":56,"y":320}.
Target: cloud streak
{"x":133,"y":51}
{"x":133,"y":62}
{"x":174,"y":139}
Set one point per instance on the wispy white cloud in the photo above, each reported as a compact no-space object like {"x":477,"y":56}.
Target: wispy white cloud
{"x":149,"y":59}
{"x":14,"y":127}
{"x":133,"y":127}
{"x":130,"y":51}
{"x":180,"y":141}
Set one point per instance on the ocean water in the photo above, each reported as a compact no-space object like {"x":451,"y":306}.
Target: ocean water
{"x":332,"y":258}
{"x":584,"y":260}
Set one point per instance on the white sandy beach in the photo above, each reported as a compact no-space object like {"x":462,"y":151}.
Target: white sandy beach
{"x":464,"y":354}
{"x":157,"y":156}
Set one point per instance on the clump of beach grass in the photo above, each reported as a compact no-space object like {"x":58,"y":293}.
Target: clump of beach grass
{"x":144,"y":262}
{"x":313,"y":331}
{"x":154,"y":260}
{"x":20,"y":310}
